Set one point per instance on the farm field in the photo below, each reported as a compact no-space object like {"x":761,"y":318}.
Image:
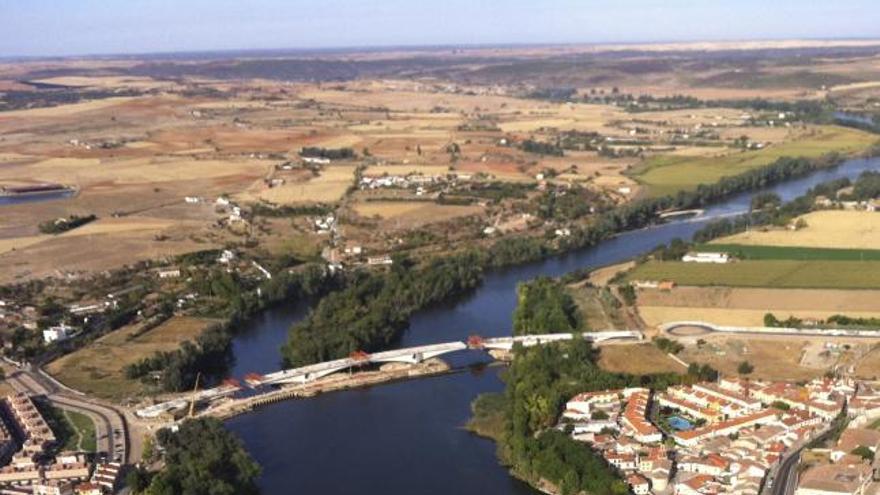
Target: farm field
{"x":747,"y":307}
{"x":98,"y":369}
{"x":825,"y":229}
{"x":413,"y":213}
{"x":765,"y":273}
{"x":665,"y":174}
{"x":328,"y":187}
{"x":756,"y":252}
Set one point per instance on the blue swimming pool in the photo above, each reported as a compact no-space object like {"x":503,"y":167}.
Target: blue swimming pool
{"x":680,"y":424}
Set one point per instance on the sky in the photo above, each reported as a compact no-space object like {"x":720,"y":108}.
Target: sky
{"x":82,"y":27}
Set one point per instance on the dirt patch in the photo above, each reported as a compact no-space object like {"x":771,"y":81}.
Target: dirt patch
{"x":772,"y":359}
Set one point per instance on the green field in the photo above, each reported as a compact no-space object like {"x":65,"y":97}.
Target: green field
{"x":667,"y":174}
{"x":747,"y":252}
{"x":765,"y":273}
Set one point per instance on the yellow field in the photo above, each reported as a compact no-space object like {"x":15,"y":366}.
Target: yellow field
{"x":413,"y":212}
{"x":98,"y":227}
{"x":64,"y":110}
{"x":827,"y":229}
{"x":98,"y":368}
{"x":328,"y":187}
{"x":136,"y":171}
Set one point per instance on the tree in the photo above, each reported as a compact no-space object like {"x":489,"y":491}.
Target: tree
{"x":770,"y":320}
{"x":745,"y":368}
{"x":203,"y":458}
{"x":137,"y":480}
{"x":864,"y":452}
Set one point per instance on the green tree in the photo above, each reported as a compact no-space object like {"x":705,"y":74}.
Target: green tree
{"x":864,"y":452}
{"x":745,"y":368}
{"x":203,"y":458}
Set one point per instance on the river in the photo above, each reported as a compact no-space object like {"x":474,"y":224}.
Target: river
{"x":407,"y":437}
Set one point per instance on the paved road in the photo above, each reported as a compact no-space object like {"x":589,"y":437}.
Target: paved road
{"x":110,"y":426}
{"x":786,"y":479}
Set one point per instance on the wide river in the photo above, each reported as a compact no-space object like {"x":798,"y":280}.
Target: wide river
{"x":407,"y":437}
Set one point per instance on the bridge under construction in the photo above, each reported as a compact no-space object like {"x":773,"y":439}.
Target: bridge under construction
{"x":359,"y":359}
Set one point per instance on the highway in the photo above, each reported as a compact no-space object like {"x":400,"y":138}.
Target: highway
{"x":110,"y":426}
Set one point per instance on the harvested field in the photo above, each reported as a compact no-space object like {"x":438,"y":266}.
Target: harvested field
{"x":98,"y":368}
{"x":330,"y":186}
{"x":413,"y":213}
{"x":766,"y":273}
{"x":638,"y":359}
{"x":106,"y":246}
{"x":825,"y":229}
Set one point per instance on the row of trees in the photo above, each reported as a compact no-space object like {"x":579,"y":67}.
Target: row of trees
{"x":329,"y":153}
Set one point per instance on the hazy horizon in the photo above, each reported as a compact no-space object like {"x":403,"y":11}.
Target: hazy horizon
{"x":115,"y":27}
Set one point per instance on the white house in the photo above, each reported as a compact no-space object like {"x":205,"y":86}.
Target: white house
{"x":706,"y":258}
{"x":57,"y":333}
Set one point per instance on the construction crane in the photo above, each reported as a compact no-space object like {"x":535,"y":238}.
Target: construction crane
{"x":192,"y":403}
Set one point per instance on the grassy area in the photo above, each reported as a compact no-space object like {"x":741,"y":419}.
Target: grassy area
{"x":98,"y":368}
{"x":668,"y":174}
{"x":748,"y":252}
{"x":766,"y":273}
{"x":83,"y":437}
{"x":639,"y":359}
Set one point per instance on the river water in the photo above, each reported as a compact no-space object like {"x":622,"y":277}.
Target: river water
{"x":407,"y":437}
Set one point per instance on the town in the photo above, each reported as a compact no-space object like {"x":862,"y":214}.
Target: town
{"x":738,"y":436}
{"x":32,"y":463}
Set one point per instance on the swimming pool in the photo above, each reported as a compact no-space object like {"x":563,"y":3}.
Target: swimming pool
{"x":680,"y":424}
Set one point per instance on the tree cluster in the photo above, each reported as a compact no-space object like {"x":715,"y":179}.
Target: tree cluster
{"x":203,"y":458}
